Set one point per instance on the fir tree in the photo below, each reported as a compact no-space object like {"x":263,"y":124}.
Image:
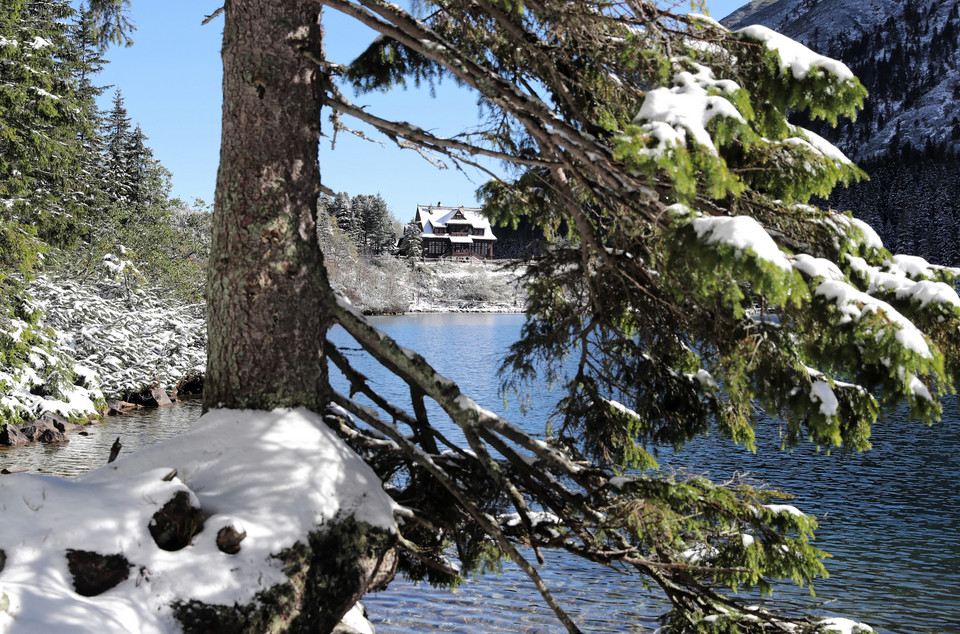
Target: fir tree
{"x":116,"y":160}
{"x":411,"y":245}
{"x":377,"y":224}
{"x":145,"y":177}
{"x":88,"y":61}
{"x":40,"y":119}
{"x":679,"y":225}
{"x":340,"y":207}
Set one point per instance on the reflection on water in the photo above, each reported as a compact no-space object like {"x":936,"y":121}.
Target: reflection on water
{"x":890,"y":517}
{"x":599,"y":599}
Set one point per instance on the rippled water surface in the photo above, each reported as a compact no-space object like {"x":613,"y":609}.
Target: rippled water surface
{"x":890,"y":517}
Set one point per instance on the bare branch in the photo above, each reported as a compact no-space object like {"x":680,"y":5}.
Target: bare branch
{"x":208,"y":19}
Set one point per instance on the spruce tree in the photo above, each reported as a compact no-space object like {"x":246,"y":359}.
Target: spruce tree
{"x":342,"y":209}
{"x":42,"y":203}
{"x":660,"y":146}
{"x":116,"y":160}
{"x":40,"y":118}
{"x":411,"y":245}
{"x":375,"y":225}
{"x":87,"y":62}
{"x":146,"y":178}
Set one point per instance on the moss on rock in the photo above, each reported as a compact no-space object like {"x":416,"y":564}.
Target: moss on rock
{"x":327,"y":575}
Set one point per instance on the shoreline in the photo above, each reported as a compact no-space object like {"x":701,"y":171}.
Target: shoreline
{"x":452,"y":310}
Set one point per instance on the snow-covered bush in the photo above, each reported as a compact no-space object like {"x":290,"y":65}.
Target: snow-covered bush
{"x":459,"y":286}
{"x":385,"y":285}
{"x":65,"y":344}
{"x":129,"y":340}
{"x":36,"y":374}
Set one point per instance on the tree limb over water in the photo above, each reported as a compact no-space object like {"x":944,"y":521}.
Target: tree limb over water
{"x":659,"y":147}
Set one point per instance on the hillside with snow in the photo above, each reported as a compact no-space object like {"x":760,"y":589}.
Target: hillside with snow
{"x":907,"y":54}
{"x":907,"y":137}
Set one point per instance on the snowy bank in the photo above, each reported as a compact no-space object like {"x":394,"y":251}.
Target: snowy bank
{"x":279,"y":480}
{"x":468,"y":287}
{"x":75,"y":343}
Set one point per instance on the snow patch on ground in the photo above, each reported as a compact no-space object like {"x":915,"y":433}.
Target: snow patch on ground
{"x":276,"y":475}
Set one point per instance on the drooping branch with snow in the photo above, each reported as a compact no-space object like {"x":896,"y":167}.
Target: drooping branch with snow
{"x":701,"y":286}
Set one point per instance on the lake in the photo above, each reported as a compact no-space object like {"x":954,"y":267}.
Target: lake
{"x":890,"y":517}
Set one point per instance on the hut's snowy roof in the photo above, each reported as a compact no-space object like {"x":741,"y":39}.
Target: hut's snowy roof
{"x":438,"y":216}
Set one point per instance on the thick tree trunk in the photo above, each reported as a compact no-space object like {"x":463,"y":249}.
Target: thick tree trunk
{"x":268,"y":298}
{"x":266,"y":280}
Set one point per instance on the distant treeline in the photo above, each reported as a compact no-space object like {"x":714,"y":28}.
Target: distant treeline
{"x":913,"y":201}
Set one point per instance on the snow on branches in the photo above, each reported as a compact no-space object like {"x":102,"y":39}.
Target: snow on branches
{"x":660,"y":148}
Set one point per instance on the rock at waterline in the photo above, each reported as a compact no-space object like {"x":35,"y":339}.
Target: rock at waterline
{"x":10,"y":436}
{"x":150,"y":397}
{"x":115,"y":408}
{"x":61,"y":423}
{"x":50,"y":436}
{"x":49,"y":428}
{"x":190,"y":386}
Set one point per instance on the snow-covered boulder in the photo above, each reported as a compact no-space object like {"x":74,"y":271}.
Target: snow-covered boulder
{"x":268,"y":522}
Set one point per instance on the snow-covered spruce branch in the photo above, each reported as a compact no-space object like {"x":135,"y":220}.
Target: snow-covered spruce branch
{"x":484,"y":520}
{"x":577,"y":150}
{"x":678,"y":226}
{"x":358,"y":384}
{"x":413,"y":368}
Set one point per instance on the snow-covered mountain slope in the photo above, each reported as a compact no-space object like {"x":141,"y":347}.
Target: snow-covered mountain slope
{"x":815,"y":22}
{"x":907,"y":54}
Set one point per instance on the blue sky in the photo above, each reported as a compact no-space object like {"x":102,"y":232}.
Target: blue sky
{"x":170,"y":80}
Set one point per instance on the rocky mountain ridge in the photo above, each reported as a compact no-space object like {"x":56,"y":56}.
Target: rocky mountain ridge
{"x":907,"y":137}
{"x":907,"y":54}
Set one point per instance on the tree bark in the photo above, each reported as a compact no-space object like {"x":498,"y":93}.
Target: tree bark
{"x":266,"y":280}
{"x":268,"y":298}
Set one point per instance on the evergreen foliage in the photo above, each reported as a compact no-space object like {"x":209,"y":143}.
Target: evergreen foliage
{"x":38,"y":127}
{"x":77,"y":190}
{"x":377,"y":284}
{"x":364,"y":218}
{"x":698,"y":289}
{"x":411,"y":244}
{"x":907,"y":54}
{"x":913,"y":201}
